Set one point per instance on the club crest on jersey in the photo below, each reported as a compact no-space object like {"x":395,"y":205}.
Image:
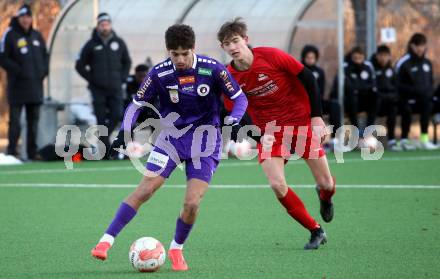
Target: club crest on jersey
{"x":203,"y":89}
{"x":186,"y":80}
{"x":426,"y":67}
{"x":174,"y":93}
{"x":389,"y":73}
{"x":365,"y":75}
{"x":114,"y":46}
{"x":262,"y":77}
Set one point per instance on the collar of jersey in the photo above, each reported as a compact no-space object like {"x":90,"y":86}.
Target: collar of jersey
{"x":194,"y":63}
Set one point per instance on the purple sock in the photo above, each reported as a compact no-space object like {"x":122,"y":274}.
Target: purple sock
{"x":182,"y":231}
{"x":124,"y":215}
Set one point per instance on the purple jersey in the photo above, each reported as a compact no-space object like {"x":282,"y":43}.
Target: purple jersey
{"x":193,"y":93}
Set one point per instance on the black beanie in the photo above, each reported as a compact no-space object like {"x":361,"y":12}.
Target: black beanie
{"x":24,"y":10}
{"x":103,"y":17}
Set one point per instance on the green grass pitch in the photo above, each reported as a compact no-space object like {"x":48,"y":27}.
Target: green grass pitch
{"x":387,"y":221}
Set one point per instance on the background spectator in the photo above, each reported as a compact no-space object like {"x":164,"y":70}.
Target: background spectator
{"x":105,"y":63}
{"x":25,"y":59}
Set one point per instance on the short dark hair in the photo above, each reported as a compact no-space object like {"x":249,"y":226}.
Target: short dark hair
{"x":418,"y":39}
{"x":358,"y":50}
{"x":309,"y":48}
{"x":230,"y":28}
{"x":180,"y":35}
{"x":383,"y":49}
{"x":141,"y":68}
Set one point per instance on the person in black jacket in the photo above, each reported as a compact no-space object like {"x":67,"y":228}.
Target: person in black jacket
{"x":414,"y":76}
{"x":24,"y":56}
{"x":360,"y":87}
{"x":309,"y":57}
{"x":105,"y":63}
{"x":387,"y":91}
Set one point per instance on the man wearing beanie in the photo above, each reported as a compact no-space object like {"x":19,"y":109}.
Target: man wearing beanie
{"x":105,"y":63}
{"x":24,"y":56}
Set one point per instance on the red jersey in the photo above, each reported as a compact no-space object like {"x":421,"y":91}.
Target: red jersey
{"x":273,"y":89}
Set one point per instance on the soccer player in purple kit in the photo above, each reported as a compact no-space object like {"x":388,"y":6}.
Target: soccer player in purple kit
{"x":190,"y":85}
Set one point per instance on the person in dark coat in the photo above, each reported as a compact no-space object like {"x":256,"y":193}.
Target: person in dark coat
{"x":415,"y":84}
{"x":360,"y":87}
{"x":104,"y":62}
{"x":24,"y":56}
{"x":387,"y":91}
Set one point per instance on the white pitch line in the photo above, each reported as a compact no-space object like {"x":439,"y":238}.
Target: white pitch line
{"x":223,"y":164}
{"x":214,"y":186}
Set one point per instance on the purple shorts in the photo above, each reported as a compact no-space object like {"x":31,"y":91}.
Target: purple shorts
{"x":199,"y":150}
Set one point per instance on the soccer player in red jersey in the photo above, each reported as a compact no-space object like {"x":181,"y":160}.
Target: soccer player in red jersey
{"x":281,"y":89}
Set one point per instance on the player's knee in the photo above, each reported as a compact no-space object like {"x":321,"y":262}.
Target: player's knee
{"x":325,"y":182}
{"x":190,"y":208}
{"x":279,"y":187}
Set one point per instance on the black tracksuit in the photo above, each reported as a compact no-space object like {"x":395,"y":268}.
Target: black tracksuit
{"x":414,"y":78}
{"x":24,"y":57}
{"x":360,"y":91}
{"x":387,"y":94}
{"x":105,"y":66}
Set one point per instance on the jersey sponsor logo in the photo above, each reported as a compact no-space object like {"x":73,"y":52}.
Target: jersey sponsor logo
{"x":114,"y":46}
{"x":262,"y":77}
{"x":24,"y":50}
{"x":174,"y":93}
{"x":186,"y":80}
{"x":365,"y":75}
{"x":158,"y":159}
{"x":203,"y":89}
{"x":426,"y":68}
{"x":162,"y":74}
{"x":228,"y":84}
{"x":353,"y":76}
{"x":205,"y":72}
{"x":36,"y":43}
{"x":268,"y":88}
{"x":98,"y":47}
{"x":188,"y":88}
{"x":378,"y":73}
{"x":141,"y":92}
{"x":414,"y":69}
{"x":21,"y":42}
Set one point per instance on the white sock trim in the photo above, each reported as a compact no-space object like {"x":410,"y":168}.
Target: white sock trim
{"x":107,"y":238}
{"x":175,"y":245}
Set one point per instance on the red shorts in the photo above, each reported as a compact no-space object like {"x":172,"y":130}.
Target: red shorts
{"x":292,"y":140}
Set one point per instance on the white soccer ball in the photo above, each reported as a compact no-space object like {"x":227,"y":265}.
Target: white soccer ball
{"x":147,"y":254}
{"x":135,"y":150}
{"x":241,"y":150}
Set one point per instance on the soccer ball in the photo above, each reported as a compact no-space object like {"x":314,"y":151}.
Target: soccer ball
{"x":147,"y":254}
{"x":135,"y":150}
{"x":241,"y":150}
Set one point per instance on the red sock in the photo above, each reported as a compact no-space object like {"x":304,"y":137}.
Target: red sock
{"x":297,"y":210}
{"x":327,"y":195}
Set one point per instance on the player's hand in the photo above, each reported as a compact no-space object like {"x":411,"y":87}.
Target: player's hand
{"x":117,"y":145}
{"x":319,"y":128}
{"x":235,"y":125}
